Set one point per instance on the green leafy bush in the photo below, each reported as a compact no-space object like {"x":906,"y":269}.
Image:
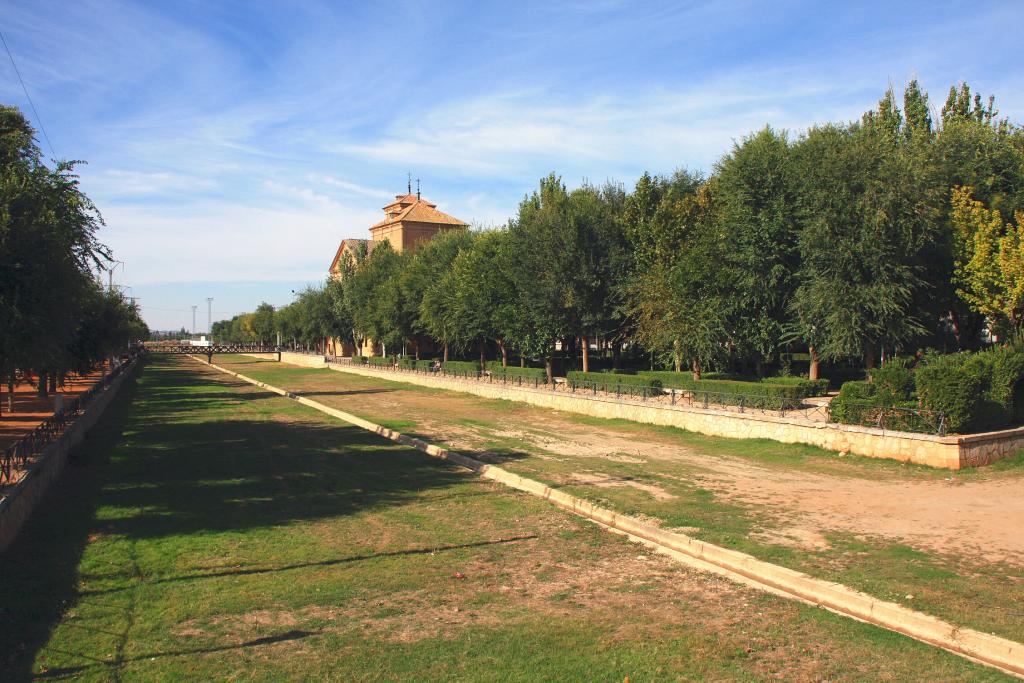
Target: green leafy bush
{"x":854,"y":399}
{"x":954,"y":385}
{"x":684,"y":380}
{"x":1006,"y":387}
{"x":893,"y":382}
{"x":500,"y":373}
{"x":462,"y":367}
{"x":407,"y":363}
{"x":806,"y":387}
{"x":381,"y":361}
{"x":606,"y":381}
{"x":359,"y":360}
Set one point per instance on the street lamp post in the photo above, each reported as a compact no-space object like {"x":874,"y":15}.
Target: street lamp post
{"x":110,"y":274}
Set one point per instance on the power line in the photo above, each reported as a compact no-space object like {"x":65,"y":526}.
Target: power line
{"x":39,"y":119}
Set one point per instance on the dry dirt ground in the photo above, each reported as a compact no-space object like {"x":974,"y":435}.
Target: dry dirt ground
{"x":979,"y":513}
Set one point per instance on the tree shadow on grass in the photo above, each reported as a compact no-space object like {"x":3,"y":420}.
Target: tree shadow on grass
{"x":113,"y":664}
{"x":157,"y":470}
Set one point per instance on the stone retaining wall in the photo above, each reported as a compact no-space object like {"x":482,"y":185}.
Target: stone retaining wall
{"x":949,"y":452}
{"x":23,"y":497}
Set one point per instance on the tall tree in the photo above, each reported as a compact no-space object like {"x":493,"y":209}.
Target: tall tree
{"x":756,"y":196}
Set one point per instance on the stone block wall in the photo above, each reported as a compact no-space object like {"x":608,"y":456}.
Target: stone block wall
{"x":948,"y":452}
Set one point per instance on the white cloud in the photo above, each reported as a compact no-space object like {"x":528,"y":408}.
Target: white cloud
{"x":222,"y":241}
{"x":355,"y":188}
{"x":126,"y":182}
{"x":517,"y":133}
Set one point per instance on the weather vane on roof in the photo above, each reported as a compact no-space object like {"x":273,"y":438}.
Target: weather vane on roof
{"x":408,"y":183}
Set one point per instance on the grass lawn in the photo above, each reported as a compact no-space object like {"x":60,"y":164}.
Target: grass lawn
{"x":963,"y":587}
{"x":211,"y":531}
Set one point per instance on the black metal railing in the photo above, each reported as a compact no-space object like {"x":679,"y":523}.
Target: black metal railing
{"x":898,"y":419}
{"x":16,"y":456}
{"x":213,"y":348}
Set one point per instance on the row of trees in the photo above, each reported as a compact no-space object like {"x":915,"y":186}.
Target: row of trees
{"x":851,"y":242}
{"x":55,"y":316}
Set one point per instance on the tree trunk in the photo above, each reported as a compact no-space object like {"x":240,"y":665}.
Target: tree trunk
{"x":483,"y":355}
{"x":549,"y":364}
{"x":41,"y":390}
{"x":869,"y":355}
{"x":504,"y":353}
{"x":677,"y":355}
{"x":446,"y":352}
{"x":522,"y":360}
{"x":416,"y":347}
{"x":695,"y":366}
{"x":617,"y":356}
{"x":586,"y":353}
{"x":813,"y":372}
{"x":954,"y":321}
{"x":759,"y":367}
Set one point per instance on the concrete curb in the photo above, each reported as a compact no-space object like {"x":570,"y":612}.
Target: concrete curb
{"x":1000,"y":653}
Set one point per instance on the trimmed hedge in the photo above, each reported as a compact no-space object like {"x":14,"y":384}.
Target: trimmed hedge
{"x":510,"y":372}
{"x":359,"y":359}
{"x":381,"y":361}
{"x":853,"y":400}
{"x":973,"y":391}
{"x":606,"y":381}
{"x":955,"y":386}
{"x":1006,"y":388}
{"x":470,"y":367}
{"x":684,"y":380}
{"x":407,"y":363}
{"x":893,"y":382}
{"x":805,"y":387}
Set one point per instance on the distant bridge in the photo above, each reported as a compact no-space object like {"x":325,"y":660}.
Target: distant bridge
{"x":209,"y":351}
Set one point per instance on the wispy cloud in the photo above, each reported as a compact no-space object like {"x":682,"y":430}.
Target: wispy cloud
{"x":229,"y":143}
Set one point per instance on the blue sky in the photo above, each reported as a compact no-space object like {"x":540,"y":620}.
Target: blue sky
{"x":231,"y":146}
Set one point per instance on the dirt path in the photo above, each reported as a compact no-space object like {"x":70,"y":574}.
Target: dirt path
{"x":977,"y":514}
{"x":981,"y":516}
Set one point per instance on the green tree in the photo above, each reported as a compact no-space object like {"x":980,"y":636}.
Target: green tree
{"x":756,"y":200}
{"x":422,"y":295}
{"x":263,"y":328}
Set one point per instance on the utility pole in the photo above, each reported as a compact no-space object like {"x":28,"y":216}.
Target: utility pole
{"x":110,"y":274}
{"x":209,"y":316}
{"x":194,"y":319}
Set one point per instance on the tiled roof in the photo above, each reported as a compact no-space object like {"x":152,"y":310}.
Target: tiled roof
{"x":352,"y":244}
{"x":419,"y":210}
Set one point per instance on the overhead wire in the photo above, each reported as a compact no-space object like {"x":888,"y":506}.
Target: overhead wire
{"x":28,"y":97}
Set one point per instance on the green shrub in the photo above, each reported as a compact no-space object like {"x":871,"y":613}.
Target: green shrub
{"x":500,"y":373}
{"x":894,"y":382}
{"x":381,"y":361}
{"x":606,"y":381}
{"x":854,"y":399}
{"x":407,"y":363}
{"x":954,"y":385}
{"x":805,"y":387}
{"x":462,"y":367}
{"x":1006,"y":386}
{"x":359,"y":359}
{"x":684,"y":380}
